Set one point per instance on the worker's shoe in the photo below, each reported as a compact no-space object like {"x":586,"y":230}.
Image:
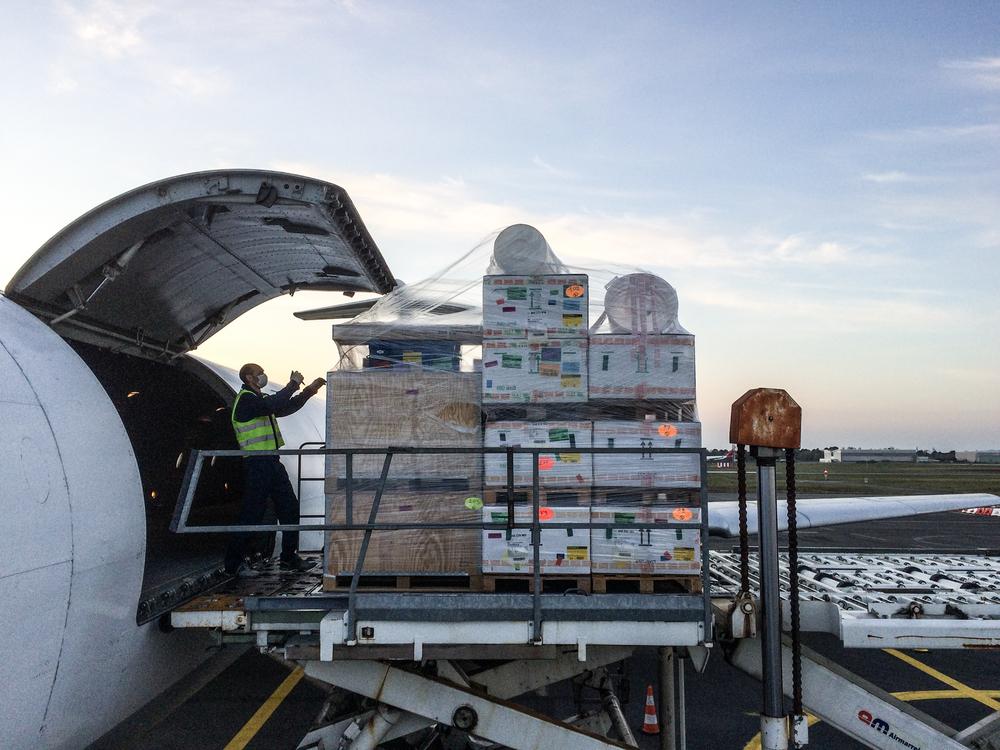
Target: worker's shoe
{"x":245,"y":571}
{"x":294,"y":562}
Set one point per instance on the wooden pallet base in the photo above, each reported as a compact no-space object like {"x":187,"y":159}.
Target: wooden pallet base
{"x":389,"y":582}
{"x":579,"y":496}
{"x":583,"y":496}
{"x":645,"y":584}
{"x":525,"y":584}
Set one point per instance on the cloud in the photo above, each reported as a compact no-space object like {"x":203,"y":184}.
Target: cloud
{"x":939,"y":133}
{"x":60,"y":81}
{"x":549,"y":169}
{"x":888,"y":177}
{"x":109,"y":28}
{"x":197,"y":83}
{"x":981,"y":71}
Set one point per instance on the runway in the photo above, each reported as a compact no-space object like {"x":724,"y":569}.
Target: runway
{"x":256,"y":702}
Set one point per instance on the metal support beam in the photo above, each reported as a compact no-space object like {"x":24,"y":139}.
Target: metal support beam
{"x":668,"y":732}
{"x":774,"y":733}
{"x":441,"y":702}
{"x":852,"y":705}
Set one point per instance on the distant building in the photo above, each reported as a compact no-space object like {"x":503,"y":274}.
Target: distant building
{"x":861,"y":455}
{"x":978,"y":457}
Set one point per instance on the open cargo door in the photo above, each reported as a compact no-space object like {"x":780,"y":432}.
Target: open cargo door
{"x":156,"y":271}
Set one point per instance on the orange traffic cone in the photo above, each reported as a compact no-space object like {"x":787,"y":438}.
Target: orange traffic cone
{"x":650,"y":724}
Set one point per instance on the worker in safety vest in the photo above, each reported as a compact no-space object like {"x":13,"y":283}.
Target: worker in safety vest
{"x":254,"y":421}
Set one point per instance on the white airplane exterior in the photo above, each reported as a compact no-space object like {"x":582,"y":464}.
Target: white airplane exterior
{"x":99,"y":321}
{"x":101,"y":394}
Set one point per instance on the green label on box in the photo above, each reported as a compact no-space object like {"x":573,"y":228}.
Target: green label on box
{"x":624,"y":517}
{"x":511,"y":361}
{"x":558,"y":434}
{"x":498,"y":517}
{"x":517,"y":292}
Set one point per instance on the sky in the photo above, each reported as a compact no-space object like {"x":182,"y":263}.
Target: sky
{"x":819,"y":182}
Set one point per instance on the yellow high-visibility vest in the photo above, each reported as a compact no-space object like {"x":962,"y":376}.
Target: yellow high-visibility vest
{"x":259,"y":434}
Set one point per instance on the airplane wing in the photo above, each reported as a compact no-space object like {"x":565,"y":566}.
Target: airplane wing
{"x":723,"y":517}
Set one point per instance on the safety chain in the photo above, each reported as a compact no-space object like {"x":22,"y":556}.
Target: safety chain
{"x":741,"y":480}
{"x":793,"y":582}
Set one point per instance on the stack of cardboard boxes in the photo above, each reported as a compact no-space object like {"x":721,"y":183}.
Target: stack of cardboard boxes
{"x":535,"y":367}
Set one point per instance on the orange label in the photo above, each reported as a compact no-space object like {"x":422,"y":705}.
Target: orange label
{"x":682,"y":514}
{"x":575,"y":290}
{"x":546,"y":462}
{"x":546,"y":514}
{"x":667,"y":430}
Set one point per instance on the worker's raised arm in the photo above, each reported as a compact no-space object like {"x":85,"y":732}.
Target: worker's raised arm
{"x":251,"y":405}
{"x":298,"y":400}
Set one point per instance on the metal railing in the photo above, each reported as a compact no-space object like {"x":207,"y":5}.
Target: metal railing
{"x":179,"y":523}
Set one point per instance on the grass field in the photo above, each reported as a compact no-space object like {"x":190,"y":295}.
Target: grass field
{"x":871,"y":479}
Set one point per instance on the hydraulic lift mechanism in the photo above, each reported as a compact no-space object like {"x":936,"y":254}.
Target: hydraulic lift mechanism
{"x":442,"y":669}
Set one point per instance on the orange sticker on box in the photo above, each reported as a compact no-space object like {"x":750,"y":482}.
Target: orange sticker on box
{"x":546,"y":514}
{"x":575,"y":291}
{"x":667,"y":430}
{"x":682,"y":514}
{"x":546,"y":462}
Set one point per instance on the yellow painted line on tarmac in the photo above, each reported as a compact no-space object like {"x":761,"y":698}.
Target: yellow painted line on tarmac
{"x":968,"y":692}
{"x":268,"y":707}
{"x":903,"y":695}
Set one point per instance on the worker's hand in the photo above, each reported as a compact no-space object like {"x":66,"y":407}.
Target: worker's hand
{"x":296,"y":377}
{"x":317,"y":384}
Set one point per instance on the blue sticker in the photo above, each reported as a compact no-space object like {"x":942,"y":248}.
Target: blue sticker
{"x":571,"y":368}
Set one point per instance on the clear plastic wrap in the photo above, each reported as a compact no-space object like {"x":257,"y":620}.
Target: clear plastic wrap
{"x":511,"y":346}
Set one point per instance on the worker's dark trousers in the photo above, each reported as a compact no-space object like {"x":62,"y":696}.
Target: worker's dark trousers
{"x":264,"y":478}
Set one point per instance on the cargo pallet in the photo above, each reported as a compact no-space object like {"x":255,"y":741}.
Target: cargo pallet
{"x":406,"y":582}
{"x":663,"y":410}
{"x":513,"y":583}
{"x":588,"y":495}
{"x":562,"y":495}
{"x":608,"y":583}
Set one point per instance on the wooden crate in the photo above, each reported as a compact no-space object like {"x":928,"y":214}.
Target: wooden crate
{"x":439,"y":552}
{"x":405,"y":408}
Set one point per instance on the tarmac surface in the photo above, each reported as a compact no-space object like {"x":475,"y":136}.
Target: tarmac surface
{"x":219,"y":707}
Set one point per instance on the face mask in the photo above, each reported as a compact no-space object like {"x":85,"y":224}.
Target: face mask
{"x":261,"y":380}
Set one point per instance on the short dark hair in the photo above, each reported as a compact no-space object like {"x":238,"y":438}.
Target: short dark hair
{"x":245,"y":372}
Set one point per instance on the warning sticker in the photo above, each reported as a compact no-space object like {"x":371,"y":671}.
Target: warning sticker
{"x":684,"y":553}
{"x":570,"y":381}
{"x":572,"y":320}
{"x":569,"y":458}
{"x":576,"y":553}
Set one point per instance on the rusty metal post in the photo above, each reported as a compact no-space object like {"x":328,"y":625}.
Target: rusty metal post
{"x":767,"y":419}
